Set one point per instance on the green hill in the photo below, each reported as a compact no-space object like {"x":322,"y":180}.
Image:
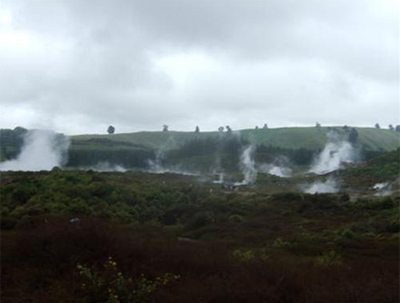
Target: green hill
{"x":289,"y":138}
{"x":203,"y":150}
{"x":384,"y":167}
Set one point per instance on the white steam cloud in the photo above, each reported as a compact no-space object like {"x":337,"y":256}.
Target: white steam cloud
{"x":329,"y":186}
{"x":107,"y":167}
{"x":335,"y":153}
{"x":276,"y":170}
{"x":42,"y":150}
{"x":383,"y":189}
{"x":247,"y":166}
{"x":220,"y":178}
{"x":156,"y":165}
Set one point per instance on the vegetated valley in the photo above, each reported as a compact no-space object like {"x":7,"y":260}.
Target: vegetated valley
{"x":208,"y":217}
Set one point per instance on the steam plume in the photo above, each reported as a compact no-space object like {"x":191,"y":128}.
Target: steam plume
{"x":220,"y":179}
{"x":329,"y":186}
{"x":383,"y":189}
{"x":107,"y":167}
{"x":280,"y":171}
{"x":247,"y":165}
{"x":279,"y":167}
{"x":42,"y":150}
{"x":156,"y":165}
{"x":335,"y":153}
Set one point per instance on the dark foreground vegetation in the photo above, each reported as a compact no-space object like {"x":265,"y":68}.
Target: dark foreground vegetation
{"x":74,"y":236}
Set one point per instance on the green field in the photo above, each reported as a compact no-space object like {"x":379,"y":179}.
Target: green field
{"x":202,"y":151}
{"x":207,"y":151}
{"x":288,"y":137}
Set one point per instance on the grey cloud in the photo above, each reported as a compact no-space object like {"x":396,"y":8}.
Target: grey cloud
{"x":287,"y":62}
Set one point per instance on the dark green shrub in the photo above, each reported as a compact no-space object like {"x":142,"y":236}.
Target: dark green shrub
{"x":393,"y":226}
{"x":23,"y":193}
{"x":201,"y":219}
{"x":287,"y":197}
{"x":236,"y":218}
{"x":25,"y":222}
{"x":78,"y":206}
{"x":344,"y":197}
{"x":109,"y":284}
{"x":8,"y":223}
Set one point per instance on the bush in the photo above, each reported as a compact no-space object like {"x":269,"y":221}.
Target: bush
{"x":330,"y":258}
{"x":108,"y":284}
{"x":78,"y":206}
{"x":24,"y":223}
{"x":347,"y":234}
{"x":7,"y":223}
{"x":236,"y":219}
{"x":243,"y":255}
{"x":393,"y":226}
{"x":201,"y":219}
{"x":288,"y":197}
{"x":279,"y":243}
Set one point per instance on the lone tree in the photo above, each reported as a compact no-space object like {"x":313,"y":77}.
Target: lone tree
{"x":221,"y":129}
{"x":317,"y":125}
{"x":377,"y":126}
{"x":197,"y":130}
{"x":165,"y":128}
{"x":228,"y":129}
{"x":265,"y":126}
{"x":391,"y":127}
{"x":111,"y":129}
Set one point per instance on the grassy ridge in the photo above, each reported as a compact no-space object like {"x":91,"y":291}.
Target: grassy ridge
{"x":200,"y":151}
{"x":385,"y":167}
{"x":288,"y":137}
{"x":299,"y":144}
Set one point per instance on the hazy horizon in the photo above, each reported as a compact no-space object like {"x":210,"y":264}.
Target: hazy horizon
{"x":260,"y":127}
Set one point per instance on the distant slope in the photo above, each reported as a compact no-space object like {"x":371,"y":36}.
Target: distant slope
{"x":153,"y":140}
{"x":92,"y":151}
{"x":289,"y":138}
{"x":384,"y":167}
{"x":204,"y":149}
{"x":379,"y":139}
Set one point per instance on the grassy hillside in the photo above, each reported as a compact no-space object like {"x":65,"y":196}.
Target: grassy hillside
{"x":385,"y":167}
{"x":202,"y":151}
{"x":289,"y":138}
{"x":298,"y":144}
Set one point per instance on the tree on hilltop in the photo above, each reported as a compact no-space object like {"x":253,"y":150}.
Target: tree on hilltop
{"x":111,"y":129}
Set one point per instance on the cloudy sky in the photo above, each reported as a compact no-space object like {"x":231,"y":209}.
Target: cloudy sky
{"x":78,"y":66}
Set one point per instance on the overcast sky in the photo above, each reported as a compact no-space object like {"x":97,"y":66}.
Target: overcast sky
{"x":78,"y":66}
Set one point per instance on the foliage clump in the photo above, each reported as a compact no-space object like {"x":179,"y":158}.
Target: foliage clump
{"x":109,"y":284}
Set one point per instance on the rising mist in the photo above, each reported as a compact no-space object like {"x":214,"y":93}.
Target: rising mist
{"x":42,"y":150}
